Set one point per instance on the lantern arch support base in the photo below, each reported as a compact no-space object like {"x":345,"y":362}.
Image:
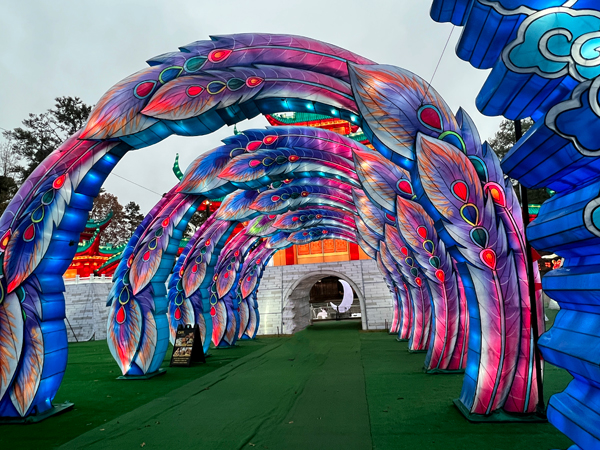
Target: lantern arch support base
{"x":225,"y":346}
{"x":146,"y":376}
{"x":441,"y":371}
{"x":499,"y":416}
{"x":35,"y":418}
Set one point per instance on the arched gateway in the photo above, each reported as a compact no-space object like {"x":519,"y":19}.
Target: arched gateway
{"x":284,"y":294}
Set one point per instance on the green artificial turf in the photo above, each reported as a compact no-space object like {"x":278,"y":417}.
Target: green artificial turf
{"x":327,"y":387}
{"x":91,"y":383}
{"x":411,"y":410}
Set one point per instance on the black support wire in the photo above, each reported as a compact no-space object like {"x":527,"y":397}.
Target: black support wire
{"x":438,"y":63}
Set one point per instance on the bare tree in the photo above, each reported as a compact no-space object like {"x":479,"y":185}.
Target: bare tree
{"x":9,"y":167}
{"x":9,"y":160}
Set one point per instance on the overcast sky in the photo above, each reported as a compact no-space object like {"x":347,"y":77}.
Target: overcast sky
{"x":81,"y":48}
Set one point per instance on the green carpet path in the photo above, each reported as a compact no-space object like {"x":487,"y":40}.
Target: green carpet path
{"x":327,"y":387}
{"x":303,"y":392}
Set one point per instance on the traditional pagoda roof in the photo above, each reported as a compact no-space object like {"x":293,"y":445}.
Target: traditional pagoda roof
{"x":92,"y":225}
{"x":113,"y":260}
{"x":89,"y":245}
{"x":319,"y":121}
{"x":360,"y":136}
{"x":92,"y":245}
{"x":293,"y":118}
{"x":112,"y":250}
{"x":102,"y":223}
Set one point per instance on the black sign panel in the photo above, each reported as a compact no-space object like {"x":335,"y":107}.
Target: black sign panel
{"x":188,"y":346}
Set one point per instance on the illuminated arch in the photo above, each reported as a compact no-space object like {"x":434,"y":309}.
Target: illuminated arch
{"x":558,"y":89}
{"x":190,"y":93}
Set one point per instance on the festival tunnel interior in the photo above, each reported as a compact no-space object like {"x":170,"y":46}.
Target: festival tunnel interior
{"x":429,"y":203}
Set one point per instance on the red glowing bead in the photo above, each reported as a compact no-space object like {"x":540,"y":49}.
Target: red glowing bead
{"x":304,"y":194}
{"x":121,"y":316}
{"x":460,"y":190}
{"x":293,"y":158}
{"x":219,"y":55}
{"x":207,"y":243}
{"x":267,"y":140}
{"x":226,"y":275}
{"x":404,"y":251}
{"x":319,"y":216}
{"x":258,"y":261}
{"x":29,"y":233}
{"x":177,"y":313}
{"x":254,"y":163}
{"x":195,"y":268}
{"x":213,"y":311}
{"x":130,"y":261}
{"x":422,"y":231}
{"x":165,"y":223}
{"x":253,"y":145}
{"x":273,"y":216}
{"x":59,"y":182}
{"x":439,"y":274}
{"x":237,"y":253}
{"x":325,"y":231}
{"x":430,"y":117}
{"x":5,"y":239}
{"x":405,"y":187}
{"x":275,"y":198}
{"x":305,"y":234}
{"x":146,"y":256}
{"x":497,"y":193}
{"x":254,"y":81}
{"x":194,"y":91}
{"x":419,"y":281}
{"x":144,"y":89}
{"x":488,"y":257}
{"x":249,"y":279}
{"x":390,"y":217}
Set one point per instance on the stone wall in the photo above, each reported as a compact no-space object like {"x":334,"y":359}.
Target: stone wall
{"x":282,"y":299}
{"x":85,"y":307}
{"x":284,"y":293}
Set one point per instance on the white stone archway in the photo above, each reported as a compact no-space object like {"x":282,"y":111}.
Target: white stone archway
{"x":283,"y":296}
{"x":296,"y":307}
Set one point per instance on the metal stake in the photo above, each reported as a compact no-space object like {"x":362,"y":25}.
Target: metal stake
{"x":541,"y":407}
